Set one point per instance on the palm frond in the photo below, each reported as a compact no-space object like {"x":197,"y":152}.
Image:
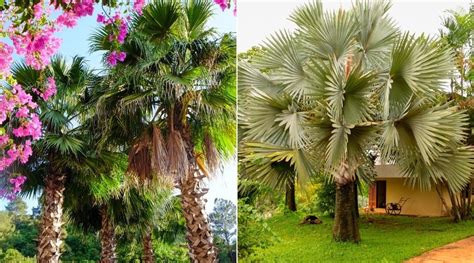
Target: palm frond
{"x":333,"y":37}
{"x":284,"y":57}
{"x":419,"y":66}
{"x":198,"y":13}
{"x":377,"y":32}
{"x":159,"y":18}
{"x":308,"y":16}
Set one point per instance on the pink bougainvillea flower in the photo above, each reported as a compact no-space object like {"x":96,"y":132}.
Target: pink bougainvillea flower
{"x":83,"y":7}
{"x":50,"y":89}
{"x":123,"y":31}
{"x":38,"y":10}
{"x":115,"y":56}
{"x":121,"y":56}
{"x":100,"y":18}
{"x":32,"y":128}
{"x":17,"y":183}
{"x":4,"y":140}
{"x":111,"y":59}
{"x":6,"y":58}
{"x":222,"y":4}
{"x":67,"y":19}
{"x":38,"y":48}
{"x":22,"y":112}
{"x":21,"y":95}
{"x":138,"y":6}
{"x":25,"y":152}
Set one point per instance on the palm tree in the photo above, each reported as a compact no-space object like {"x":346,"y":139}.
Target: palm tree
{"x":457,"y":33}
{"x":62,"y":150}
{"x":104,"y":203}
{"x":344,"y":82}
{"x":88,"y":199}
{"x":174,"y":99}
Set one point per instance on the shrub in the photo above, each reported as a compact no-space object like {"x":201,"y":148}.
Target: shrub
{"x":326,"y":198}
{"x":253,"y":230}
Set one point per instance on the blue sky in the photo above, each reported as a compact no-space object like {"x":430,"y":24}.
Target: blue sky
{"x":75,"y":42}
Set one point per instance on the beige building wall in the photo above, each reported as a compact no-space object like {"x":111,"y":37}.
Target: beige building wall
{"x":421,"y":203}
{"x":425,"y":203}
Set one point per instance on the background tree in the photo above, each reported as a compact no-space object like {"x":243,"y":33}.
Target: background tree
{"x":457,"y":33}
{"x":6,"y":225}
{"x":17,"y":207}
{"x":223,"y":221}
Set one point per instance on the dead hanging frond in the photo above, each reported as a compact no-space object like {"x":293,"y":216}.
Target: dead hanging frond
{"x":159,"y":160}
{"x":211,"y":154}
{"x":201,"y":165}
{"x":139,"y":159}
{"x":177,"y":157}
{"x":157,"y":182}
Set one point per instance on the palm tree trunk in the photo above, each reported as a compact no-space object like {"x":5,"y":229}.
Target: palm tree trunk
{"x":49,"y":240}
{"x":148,"y":256}
{"x":439,"y":188}
{"x":290,"y":195}
{"x":469,"y":200}
{"x":346,"y":228}
{"x":199,"y":236}
{"x":356,"y":199}
{"x":454,"y":207}
{"x":107,"y":238}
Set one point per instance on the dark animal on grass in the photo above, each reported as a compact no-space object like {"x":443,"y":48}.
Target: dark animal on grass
{"x":311,"y":219}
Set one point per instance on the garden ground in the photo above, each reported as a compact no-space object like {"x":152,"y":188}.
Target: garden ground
{"x":461,"y":251}
{"x":384,"y":239}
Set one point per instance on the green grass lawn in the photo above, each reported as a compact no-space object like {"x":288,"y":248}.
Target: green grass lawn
{"x":386,"y":239}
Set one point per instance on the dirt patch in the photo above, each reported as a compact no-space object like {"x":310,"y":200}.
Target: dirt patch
{"x":458,"y":252}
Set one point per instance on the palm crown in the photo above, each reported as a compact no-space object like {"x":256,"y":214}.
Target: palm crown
{"x":175,"y":77}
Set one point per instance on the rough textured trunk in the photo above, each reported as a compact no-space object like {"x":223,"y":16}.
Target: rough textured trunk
{"x":201,"y":248}
{"x":107,"y":238}
{"x":148,"y":256}
{"x":49,"y":239}
{"x":346,"y":228}
{"x":290,"y":196}
{"x":199,"y":236}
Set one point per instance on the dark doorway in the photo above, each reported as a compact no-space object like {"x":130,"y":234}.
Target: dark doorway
{"x":381,"y":191}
